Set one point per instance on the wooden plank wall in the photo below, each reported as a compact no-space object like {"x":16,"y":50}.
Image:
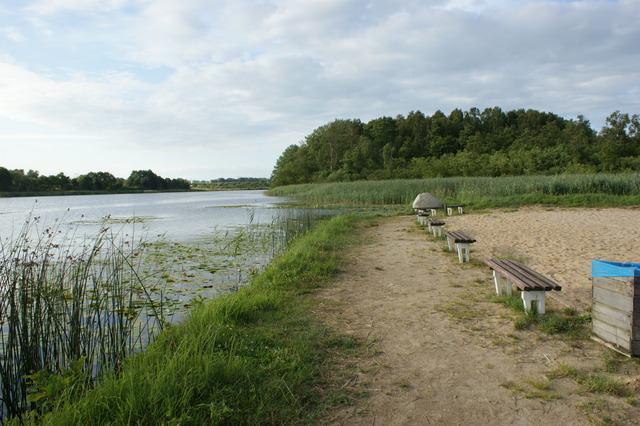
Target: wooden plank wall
{"x":616,"y":312}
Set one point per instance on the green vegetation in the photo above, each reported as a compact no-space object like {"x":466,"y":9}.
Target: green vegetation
{"x":17,"y":182}
{"x":473,"y":143}
{"x":230,"y":184}
{"x":597,"y":383}
{"x":250,"y":357}
{"x":479,"y":192}
{"x":566,"y":322}
{"x":71,"y":311}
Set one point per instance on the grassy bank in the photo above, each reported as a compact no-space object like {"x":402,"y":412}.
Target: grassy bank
{"x":481,"y":192}
{"x":252,"y":357}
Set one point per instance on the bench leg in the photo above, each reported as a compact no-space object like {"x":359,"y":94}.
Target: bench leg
{"x":500,"y":289}
{"x":450,"y":243}
{"x":530,"y":296}
{"x":460,"y":210}
{"x":433,"y":212}
{"x":449,"y":211}
{"x":437,"y":230}
{"x":463,"y":251}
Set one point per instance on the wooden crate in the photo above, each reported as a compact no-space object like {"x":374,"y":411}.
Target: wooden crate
{"x":616,"y":313}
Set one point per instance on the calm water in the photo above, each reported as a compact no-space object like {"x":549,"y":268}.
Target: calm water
{"x":181,"y":216}
{"x":194,"y":258}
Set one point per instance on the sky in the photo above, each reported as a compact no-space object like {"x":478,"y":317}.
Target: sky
{"x":203,"y":89}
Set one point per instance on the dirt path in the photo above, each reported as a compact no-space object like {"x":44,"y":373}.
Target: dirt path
{"x":441,"y":353}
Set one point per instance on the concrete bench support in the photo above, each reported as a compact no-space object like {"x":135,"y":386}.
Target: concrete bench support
{"x":502,"y":287}
{"x":453,"y":206}
{"x":462,"y":243}
{"x":435,"y":226}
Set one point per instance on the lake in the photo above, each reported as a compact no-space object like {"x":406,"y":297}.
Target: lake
{"x":120,"y":269}
{"x":179,"y":216}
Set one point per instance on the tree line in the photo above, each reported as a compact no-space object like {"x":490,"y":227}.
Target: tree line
{"x":230,"y":184}
{"x":18,"y":181}
{"x":491,"y":142}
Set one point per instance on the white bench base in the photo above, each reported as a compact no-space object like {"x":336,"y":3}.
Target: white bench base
{"x":436,"y":230}
{"x":463,"y":249}
{"x":527,"y":296}
{"x":537,"y":296}
{"x":450,"y":210}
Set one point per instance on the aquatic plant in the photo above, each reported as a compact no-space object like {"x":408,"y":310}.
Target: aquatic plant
{"x":69,"y":303}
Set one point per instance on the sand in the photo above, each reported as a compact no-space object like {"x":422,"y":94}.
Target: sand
{"x":559,"y":243}
{"x":438,"y":351}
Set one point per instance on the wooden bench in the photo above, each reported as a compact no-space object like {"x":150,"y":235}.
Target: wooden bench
{"x":462,"y":244}
{"x":435,"y":226}
{"x":450,"y":208}
{"x":533,"y":285}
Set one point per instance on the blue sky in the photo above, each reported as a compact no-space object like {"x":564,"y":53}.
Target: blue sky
{"x":202,"y":89}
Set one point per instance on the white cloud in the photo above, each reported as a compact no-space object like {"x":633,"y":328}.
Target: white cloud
{"x":12,"y":33}
{"x":235,"y":76}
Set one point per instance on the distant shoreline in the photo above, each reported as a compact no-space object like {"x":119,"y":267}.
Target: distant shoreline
{"x":20,"y":194}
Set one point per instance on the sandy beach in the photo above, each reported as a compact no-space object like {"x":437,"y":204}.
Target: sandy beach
{"x":557,"y":242}
{"x":440,"y":351}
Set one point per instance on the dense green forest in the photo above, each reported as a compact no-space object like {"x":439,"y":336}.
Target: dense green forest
{"x":230,"y":184}
{"x":15,"y":181}
{"x":472,"y":143}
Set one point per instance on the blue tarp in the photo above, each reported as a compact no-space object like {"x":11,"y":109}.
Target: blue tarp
{"x":601,"y":268}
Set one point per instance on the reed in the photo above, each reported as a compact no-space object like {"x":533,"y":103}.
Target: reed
{"x":578,"y":190}
{"x":71,"y":308}
{"x":250,"y":357}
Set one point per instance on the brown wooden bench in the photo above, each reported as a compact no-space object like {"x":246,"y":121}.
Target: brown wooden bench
{"x":533,"y":285}
{"x":435,"y":226}
{"x":462,"y":243}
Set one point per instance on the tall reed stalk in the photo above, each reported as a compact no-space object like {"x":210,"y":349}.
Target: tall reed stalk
{"x":66,"y":299}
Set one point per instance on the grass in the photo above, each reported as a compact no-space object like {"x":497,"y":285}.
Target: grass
{"x":71,"y":310}
{"x":551,"y":323}
{"x":541,"y":390}
{"x":596,"y":383}
{"x":589,"y":190}
{"x":250,"y":357}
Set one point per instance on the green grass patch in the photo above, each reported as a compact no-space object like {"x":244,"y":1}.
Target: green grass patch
{"x":597,"y":383}
{"x":251,"y":357}
{"x":585,"y":190}
{"x":552,"y":323}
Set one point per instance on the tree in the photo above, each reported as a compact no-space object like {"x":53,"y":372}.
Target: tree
{"x":292,"y":167}
{"x":6,"y":180}
{"x":145,"y":179}
{"x":619,"y":138}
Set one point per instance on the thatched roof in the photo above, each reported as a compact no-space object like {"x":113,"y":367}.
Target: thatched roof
{"x":427,"y":201}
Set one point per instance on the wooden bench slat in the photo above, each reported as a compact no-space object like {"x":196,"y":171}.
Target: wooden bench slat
{"x":459,"y":237}
{"x":522,"y":276}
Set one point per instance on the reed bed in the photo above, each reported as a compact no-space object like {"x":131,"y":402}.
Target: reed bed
{"x":250,"y":357}
{"x":71,"y":310}
{"x":589,"y":189}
